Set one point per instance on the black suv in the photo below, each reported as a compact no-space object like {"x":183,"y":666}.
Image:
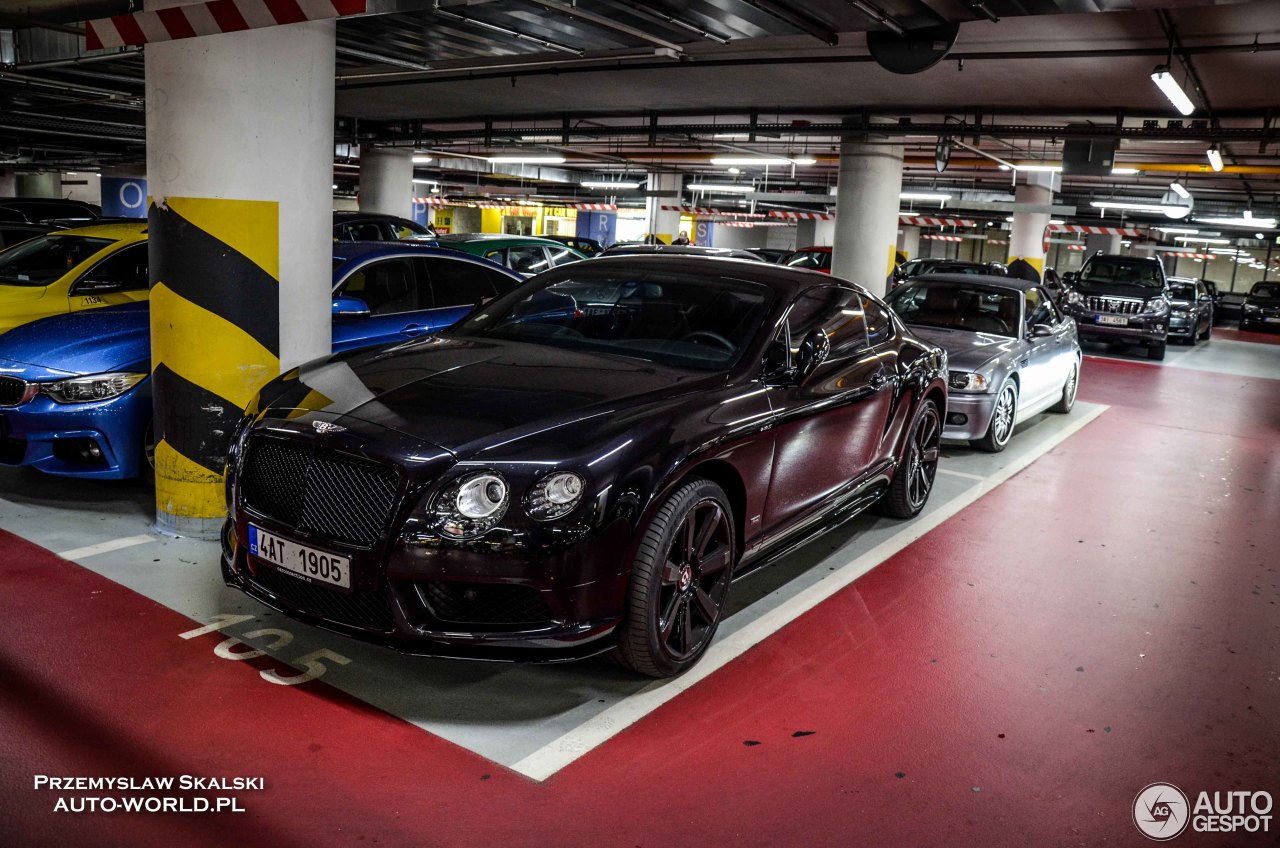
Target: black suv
{"x":1261,"y":307}
{"x":1122,"y":299}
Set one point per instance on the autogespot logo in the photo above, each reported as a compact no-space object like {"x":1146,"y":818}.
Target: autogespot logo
{"x":1160,"y":811}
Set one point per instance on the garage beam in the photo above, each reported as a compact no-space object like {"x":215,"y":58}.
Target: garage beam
{"x":608,"y":23}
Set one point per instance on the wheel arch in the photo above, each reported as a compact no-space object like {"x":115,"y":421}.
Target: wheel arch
{"x":724,"y":475}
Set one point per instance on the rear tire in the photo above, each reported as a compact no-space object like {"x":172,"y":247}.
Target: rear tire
{"x":909,"y":491}
{"x":1000,"y":430}
{"x":1156,"y":351}
{"x":147,"y":462}
{"x":1208,"y":330}
{"x":1069,"y":390}
{"x":679,"y":582}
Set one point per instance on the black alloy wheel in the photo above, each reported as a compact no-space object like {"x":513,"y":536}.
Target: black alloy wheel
{"x":913,"y":481}
{"x":679,"y":582}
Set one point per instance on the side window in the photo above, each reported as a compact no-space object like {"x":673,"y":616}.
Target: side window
{"x":837,"y":311}
{"x":387,"y":287}
{"x":879,"y":324}
{"x":367,"y":231}
{"x":499,"y":256}
{"x":528,"y":259}
{"x":455,"y":282}
{"x":561,"y":256}
{"x":124,"y":270}
{"x":1039,"y":309}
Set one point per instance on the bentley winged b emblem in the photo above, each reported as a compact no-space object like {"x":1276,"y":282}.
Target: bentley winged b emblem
{"x":326,"y":427}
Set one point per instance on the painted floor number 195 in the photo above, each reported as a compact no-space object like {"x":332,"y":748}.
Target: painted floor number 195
{"x":232,"y":648}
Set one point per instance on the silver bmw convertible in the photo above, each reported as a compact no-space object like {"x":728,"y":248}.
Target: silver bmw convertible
{"x":1012,"y":353}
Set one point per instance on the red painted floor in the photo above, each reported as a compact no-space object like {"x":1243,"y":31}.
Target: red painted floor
{"x":1108,"y":618}
{"x":1239,"y":335}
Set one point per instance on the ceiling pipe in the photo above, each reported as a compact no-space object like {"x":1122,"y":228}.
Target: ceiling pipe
{"x":660,"y":16}
{"x":607,"y":23}
{"x":797,"y":19}
{"x":513,"y":33}
{"x":89,"y":59}
{"x":878,"y":15}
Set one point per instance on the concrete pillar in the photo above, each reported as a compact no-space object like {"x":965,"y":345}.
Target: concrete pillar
{"x":866,"y":225}
{"x":1026,"y":239}
{"x":806,"y":233}
{"x":46,"y":184}
{"x":664,"y":223}
{"x":1102,"y":242}
{"x":8,"y":183}
{"x":909,"y":241}
{"x":240,"y":163}
{"x":386,"y":181}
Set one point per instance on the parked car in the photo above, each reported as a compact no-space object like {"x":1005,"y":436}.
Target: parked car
{"x":1122,"y":300}
{"x":1230,"y":307}
{"x":778,"y":256}
{"x":681,"y":250}
{"x":1190,"y":310}
{"x":69,"y":270}
{"x":526,"y":255}
{"x":583,"y":465}
{"x":913,"y":268}
{"x":368,"y":226}
{"x":35,"y":210}
{"x":1261,"y":307}
{"x":586,"y":246}
{"x":14,"y":232}
{"x":75,"y":393}
{"x":817,"y":258}
{"x":1011,"y":353}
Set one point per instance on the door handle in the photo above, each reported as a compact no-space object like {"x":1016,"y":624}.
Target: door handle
{"x":415,"y":330}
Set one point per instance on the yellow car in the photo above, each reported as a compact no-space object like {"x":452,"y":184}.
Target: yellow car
{"x":70,"y":270}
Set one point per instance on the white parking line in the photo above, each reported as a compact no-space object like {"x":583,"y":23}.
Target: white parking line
{"x":964,"y":474}
{"x":549,"y":759}
{"x":106,"y":547}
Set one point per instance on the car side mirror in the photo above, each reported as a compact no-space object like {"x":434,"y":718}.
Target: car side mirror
{"x":813,"y":351}
{"x":1040,"y":331}
{"x":1070,"y":278}
{"x":350,"y":307}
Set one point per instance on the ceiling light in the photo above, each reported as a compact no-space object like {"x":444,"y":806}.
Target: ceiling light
{"x":1259,"y":236}
{"x":526,"y":160}
{"x":1202,"y":240}
{"x":749,"y":161}
{"x":1052,"y":169}
{"x":923,"y":195}
{"x":421,"y":160}
{"x":735,"y":170}
{"x":1179,"y":189}
{"x":733,"y":136}
{"x":1153,"y":208}
{"x":1215,"y":158}
{"x":1188,"y":230}
{"x":1161,"y":77}
{"x":1059,"y":223}
{"x":603,"y":184}
{"x":739,"y":188}
{"x":804,"y":160}
{"x":335,"y":186}
{"x":1246,"y":220}
{"x":425,"y":182}
{"x":1123,"y":172}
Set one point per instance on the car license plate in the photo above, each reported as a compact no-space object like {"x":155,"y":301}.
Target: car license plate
{"x":300,"y":561}
{"x":1117,"y":320}
{"x":1271,"y":320}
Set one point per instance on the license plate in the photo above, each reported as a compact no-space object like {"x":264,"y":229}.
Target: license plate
{"x":1271,"y":320}
{"x":299,"y":561}
{"x":1118,"y":320}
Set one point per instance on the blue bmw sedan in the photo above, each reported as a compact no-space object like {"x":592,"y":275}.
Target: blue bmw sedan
{"x":75,"y":398}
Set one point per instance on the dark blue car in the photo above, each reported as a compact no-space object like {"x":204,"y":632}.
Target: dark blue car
{"x":75,"y":398}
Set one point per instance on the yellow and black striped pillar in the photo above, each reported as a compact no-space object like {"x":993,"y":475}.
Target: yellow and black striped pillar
{"x":215,"y":340}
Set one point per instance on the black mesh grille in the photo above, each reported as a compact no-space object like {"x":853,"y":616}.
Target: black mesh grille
{"x":1115,"y":306}
{"x":484,"y":603}
{"x":12,"y":391}
{"x":327,"y":492}
{"x":366,"y":610}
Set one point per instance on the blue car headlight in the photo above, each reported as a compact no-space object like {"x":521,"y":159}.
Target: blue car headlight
{"x":94,"y":387}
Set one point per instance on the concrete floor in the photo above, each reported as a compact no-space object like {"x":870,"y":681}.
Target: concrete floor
{"x":983,"y":591}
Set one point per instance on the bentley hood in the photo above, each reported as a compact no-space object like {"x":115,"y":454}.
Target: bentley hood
{"x":966,"y":351}
{"x":467,"y":395}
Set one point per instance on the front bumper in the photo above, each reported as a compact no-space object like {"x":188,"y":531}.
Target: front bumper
{"x":1183,"y":328}
{"x":59,"y":438}
{"x":975,"y":410}
{"x":1139,"y":329}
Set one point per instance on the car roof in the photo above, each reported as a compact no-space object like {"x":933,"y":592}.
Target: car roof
{"x":349,"y":250}
{"x":1129,"y":260}
{"x":970,"y":279}
{"x":682,"y":249}
{"x":117,"y":230}
{"x":1192,"y":280}
{"x":347,"y":216}
{"x":460,"y":238}
{"x":815,"y":248}
{"x":782,"y":278}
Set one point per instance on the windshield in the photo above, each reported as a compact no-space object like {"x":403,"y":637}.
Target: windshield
{"x":954,"y":268}
{"x":977,"y":309}
{"x":42,"y":260}
{"x":1118,"y":272}
{"x":675,"y":319}
{"x":1182,"y":291}
{"x":1268,"y":291}
{"x":810,"y":259}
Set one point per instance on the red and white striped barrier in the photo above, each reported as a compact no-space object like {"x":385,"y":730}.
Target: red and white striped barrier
{"x":434,"y":201}
{"x":917,"y":221}
{"x":756,"y":224}
{"x":1094,"y":231}
{"x":1075,"y":247}
{"x":592,"y":207}
{"x":997,"y":241}
{"x":704,"y":210}
{"x":932,"y":237}
{"x":801,"y":216}
{"x":211,"y":18}
{"x":1181,"y":255}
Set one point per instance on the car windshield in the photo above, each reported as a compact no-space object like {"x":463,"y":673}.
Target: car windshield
{"x":977,"y":309}
{"x":679,"y":320}
{"x":810,"y":259}
{"x":952,"y":268}
{"x":1266,"y":290}
{"x":1182,"y":291}
{"x":40,"y":261}
{"x":1118,"y":272}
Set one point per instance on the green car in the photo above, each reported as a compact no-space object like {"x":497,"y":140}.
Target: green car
{"x":526,"y":255}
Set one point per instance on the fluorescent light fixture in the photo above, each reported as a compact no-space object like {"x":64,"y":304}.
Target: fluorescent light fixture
{"x":1244,"y":260}
{"x":1123,"y":172}
{"x":421,"y":159}
{"x":750,"y":161}
{"x":1202,"y":240}
{"x":923,"y":195}
{"x":728,"y":188}
{"x":732,"y":136}
{"x":734,"y":170}
{"x":1179,"y":189}
{"x":425,"y":182}
{"x":1059,"y":223}
{"x":526,"y":160}
{"x":804,"y":160}
{"x":1188,"y":230}
{"x":1246,"y":220}
{"x":1215,"y":158}
{"x":604,"y":184}
{"x":1052,"y":169}
{"x":1153,"y":208}
{"x":335,"y":186}
{"x":541,"y":139}
{"x":1259,"y":236}
{"x":1162,"y":78}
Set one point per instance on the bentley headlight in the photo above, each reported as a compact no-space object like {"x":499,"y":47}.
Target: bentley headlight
{"x":554,"y":496}
{"x":94,"y":387}
{"x":963,"y":381}
{"x":1156,"y":304}
{"x":471,"y":505}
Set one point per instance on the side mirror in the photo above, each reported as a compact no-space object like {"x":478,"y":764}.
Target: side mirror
{"x":813,"y":351}
{"x":1070,"y":278}
{"x":350,"y":307}
{"x":1040,"y":331}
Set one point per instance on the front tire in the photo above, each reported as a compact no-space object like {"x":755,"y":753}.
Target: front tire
{"x":909,"y":491}
{"x":1208,"y":330}
{"x":679,"y":582}
{"x":1069,"y":390}
{"x":1156,"y":351}
{"x":1000,"y":430}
